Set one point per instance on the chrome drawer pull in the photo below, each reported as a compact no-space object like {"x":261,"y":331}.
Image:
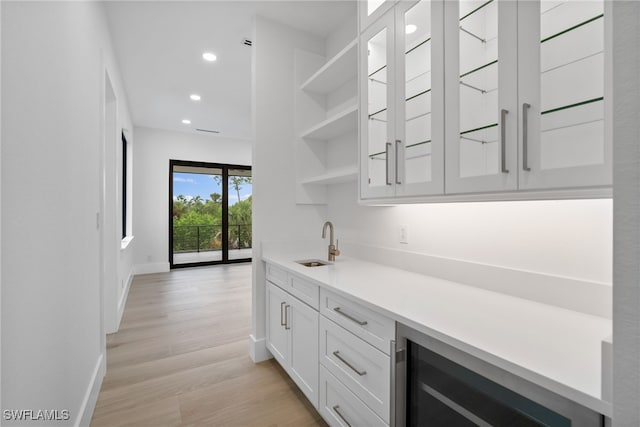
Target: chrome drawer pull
{"x":336,"y":409}
{"x":353,"y":319}
{"x":282,"y":322}
{"x":337,"y":354}
{"x":286,"y":317}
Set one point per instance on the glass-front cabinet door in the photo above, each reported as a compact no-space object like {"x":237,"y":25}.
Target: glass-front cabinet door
{"x":402,"y":102}
{"x":371,"y":10}
{"x":564,"y":140}
{"x":481,"y":102}
{"x":419,"y":135}
{"x":377,"y":109}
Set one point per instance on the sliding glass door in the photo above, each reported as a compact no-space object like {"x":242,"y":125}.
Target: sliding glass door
{"x":210,"y":213}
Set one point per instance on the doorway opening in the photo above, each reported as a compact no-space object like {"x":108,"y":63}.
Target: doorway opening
{"x":209,"y":213}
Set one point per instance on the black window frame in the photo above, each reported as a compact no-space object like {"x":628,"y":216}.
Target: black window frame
{"x":225,"y":167}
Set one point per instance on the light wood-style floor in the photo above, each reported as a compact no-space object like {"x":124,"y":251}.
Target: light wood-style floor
{"x":181,"y":358}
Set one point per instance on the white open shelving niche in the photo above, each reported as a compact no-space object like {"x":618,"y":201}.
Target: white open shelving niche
{"x":327,"y":119}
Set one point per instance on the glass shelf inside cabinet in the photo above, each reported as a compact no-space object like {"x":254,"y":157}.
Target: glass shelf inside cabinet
{"x":417,"y":90}
{"x":571,"y":84}
{"x":478,"y":56}
{"x":377,"y":108}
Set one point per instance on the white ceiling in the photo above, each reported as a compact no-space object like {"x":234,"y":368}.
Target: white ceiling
{"x":159,"y":47}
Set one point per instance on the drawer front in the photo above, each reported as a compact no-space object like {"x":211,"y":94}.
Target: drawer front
{"x":277,"y":276}
{"x":304,"y":290}
{"x":340,"y":407}
{"x":365,"y":370}
{"x":372,"y":327}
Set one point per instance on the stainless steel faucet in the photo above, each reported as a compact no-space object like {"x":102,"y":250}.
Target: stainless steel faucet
{"x":333,"y":249}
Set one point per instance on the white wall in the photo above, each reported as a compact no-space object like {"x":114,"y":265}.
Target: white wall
{"x":117,"y":257}
{"x":54,"y":58}
{"x":276,"y":216}
{"x":151,"y":153}
{"x":568,"y":238}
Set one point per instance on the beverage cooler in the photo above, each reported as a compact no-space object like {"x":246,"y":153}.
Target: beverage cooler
{"x":440,"y":386}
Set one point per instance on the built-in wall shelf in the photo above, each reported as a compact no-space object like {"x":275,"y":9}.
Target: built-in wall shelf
{"x":336,"y":72}
{"x":338,"y":124}
{"x":335,"y":176}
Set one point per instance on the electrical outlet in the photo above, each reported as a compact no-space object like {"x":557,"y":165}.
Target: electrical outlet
{"x":404,"y":234}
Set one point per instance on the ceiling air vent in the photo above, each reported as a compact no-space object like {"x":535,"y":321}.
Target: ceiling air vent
{"x":247,"y":42}
{"x":208,"y":130}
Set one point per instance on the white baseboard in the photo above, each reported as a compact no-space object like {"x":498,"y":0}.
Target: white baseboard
{"x":91,"y":396}
{"x":258,"y":349}
{"x":123,"y":300}
{"x":150,"y":268}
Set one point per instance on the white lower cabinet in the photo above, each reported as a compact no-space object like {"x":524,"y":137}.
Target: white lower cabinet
{"x":292,"y":339}
{"x":340,"y":407}
{"x":303,"y":348}
{"x":340,"y":359}
{"x":360,"y":366}
{"x":355,"y":363}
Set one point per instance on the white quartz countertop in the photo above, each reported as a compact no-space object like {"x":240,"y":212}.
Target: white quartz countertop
{"x":553,"y":347}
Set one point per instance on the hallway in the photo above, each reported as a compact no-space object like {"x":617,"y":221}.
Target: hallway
{"x":181,"y":358}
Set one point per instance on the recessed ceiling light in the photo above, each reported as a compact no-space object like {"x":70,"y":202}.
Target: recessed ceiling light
{"x":195,"y":97}
{"x":186,"y":121}
{"x":208,"y":56}
{"x":410,"y":29}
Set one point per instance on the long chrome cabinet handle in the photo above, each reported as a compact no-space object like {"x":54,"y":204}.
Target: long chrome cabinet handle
{"x":354,"y":369}
{"x":503,"y":141}
{"x":286,"y":317}
{"x":282,"y":322}
{"x":388,"y":153}
{"x":336,"y":409}
{"x":525,"y":136}
{"x":398,"y":181}
{"x":353,"y":319}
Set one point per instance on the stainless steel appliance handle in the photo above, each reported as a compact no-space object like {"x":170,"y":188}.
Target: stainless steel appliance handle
{"x":525,"y":136}
{"x":336,"y":409}
{"x":354,"y":369}
{"x":348,"y":316}
{"x":503,"y":141}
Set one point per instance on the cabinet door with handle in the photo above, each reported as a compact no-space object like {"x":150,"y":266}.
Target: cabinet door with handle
{"x":419,"y":128}
{"x":564,"y":132}
{"x":377,"y":109}
{"x":303,"y":350}
{"x":481,"y":105}
{"x":277,"y":324}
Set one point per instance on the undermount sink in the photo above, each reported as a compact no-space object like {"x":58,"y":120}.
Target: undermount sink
{"x":313,"y":262}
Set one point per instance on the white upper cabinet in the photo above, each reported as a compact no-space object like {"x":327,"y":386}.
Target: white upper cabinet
{"x":564,"y":132}
{"x":528,"y":112}
{"x":402,"y":102}
{"x":486,"y":99}
{"x":481,"y":103}
{"x":371,"y":10}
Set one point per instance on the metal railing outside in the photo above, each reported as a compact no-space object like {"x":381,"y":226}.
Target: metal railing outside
{"x":203,"y":238}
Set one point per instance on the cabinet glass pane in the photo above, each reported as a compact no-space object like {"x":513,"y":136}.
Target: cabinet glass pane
{"x":372,"y":5}
{"x":479,"y":109}
{"x":377,"y":108}
{"x":571,"y":84}
{"x":417,"y":108}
